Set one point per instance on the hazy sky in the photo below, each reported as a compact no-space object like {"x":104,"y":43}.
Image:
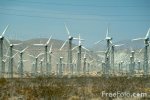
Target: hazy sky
{"x":41,"y":18}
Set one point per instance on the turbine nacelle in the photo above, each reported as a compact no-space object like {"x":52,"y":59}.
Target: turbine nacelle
{"x":108,"y":38}
{"x":1,"y":37}
{"x":70,"y":38}
{"x":146,"y":41}
{"x":11,"y":45}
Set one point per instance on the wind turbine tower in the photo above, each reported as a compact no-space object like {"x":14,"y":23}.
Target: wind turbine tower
{"x":79,"y":54}
{"x":21,"y":65}
{"x":146,"y":43}
{"x":1,"y":49}
{"x":84,"y":63}
{"x":11,"y":57}
{"x":36,"y":62}
{"x":46,"y":52}
{"x":112,"y":56}
{"x":108,"y":41}
{"x":69,"y":40}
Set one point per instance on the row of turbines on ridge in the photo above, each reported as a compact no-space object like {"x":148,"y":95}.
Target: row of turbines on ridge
{"x":74,"y":68}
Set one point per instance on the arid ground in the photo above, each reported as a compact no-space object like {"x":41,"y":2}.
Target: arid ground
{"x":75,"y":88}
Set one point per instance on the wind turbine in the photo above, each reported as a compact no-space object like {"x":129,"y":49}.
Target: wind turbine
{"x":84,"y":63}
{"x":108,"y":40}
{"x":36,"y":61}
{"x":41,"y":66}
{"x":50,"y":58}
{"x":11,"y":60}
{"x":60,"y":66}
{"x":112,"y":54}
{"x":146,"y":42}
{"x":79,"y":53}
{"x":46,"y":51}
{"x":1,"y":49}
{"x":4,"y":63}
{"x":3,"y":68}
{"x":69,"y":40}
{"x":10,"y":67}
{"x":105,"y":64}
{"x":21,"y":65}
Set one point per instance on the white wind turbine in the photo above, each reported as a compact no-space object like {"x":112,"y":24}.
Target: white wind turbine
{"x":36,"y":62}
{"x":10,"y":67}
{"x":105,"y":63}
{"x":108,"y":40}
{"x":11,"y":60}
{"x":4,"y":66}
{"x":41,"y":66}
{"x":69,"y":40}
{"x":50,"y":58}
{"x":46,"y":51}
{"x":1,"y":49}
{"x":50,"y":53}
{"x":112,"y":59}
{"x":80,"y":47}
{"x":60,"y":69}
{"x":4,"y":63}
{"x":20,"y":63}
{"x":146,"y":42}
{"x":84,"y":63}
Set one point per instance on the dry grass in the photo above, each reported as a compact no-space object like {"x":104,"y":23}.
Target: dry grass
{"x":79,"y":88}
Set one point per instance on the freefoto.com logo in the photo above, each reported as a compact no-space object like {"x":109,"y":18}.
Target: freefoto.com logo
{"x":120,"y":94}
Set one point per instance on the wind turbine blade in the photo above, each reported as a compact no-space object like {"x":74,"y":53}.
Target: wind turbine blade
{"x":101,"y":51}
{"x":25,"y":60}
{"x":14,"y":55}
{"x":67,"y":30}
{"x":31,"y":55}
{"x":16,"y":50}
{"x":5,"y":30}
{"x":107,"y":32}
{"x":79,"y":40}
{"x":119,"y":45}
{"x":98,"y":41}
{"x":7,"y":40}
{"x":76,"y":38}
{"x":40,"y":54}
{"x":5,"y":59}
{"x":147,"y":35}
{"x":74,"y":47}
{"x":91,"y":61}
{"x":38,"y":44}
{"x":63,"y":44}
{"x":137,"y":39}
{"x":141,"y":50}
{"x":25,"y":49}
{"x":85,"y":48}
{"x":50,"y":50}
{"x":111,"y":42}
{"x":17,"y":44}
{"x":48,"y":40}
